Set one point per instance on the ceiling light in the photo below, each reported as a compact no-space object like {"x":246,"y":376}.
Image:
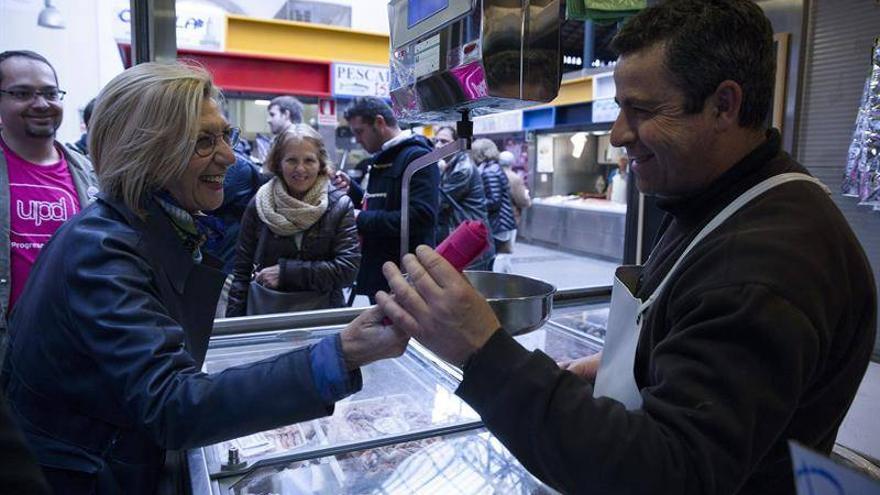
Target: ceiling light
{"x":50,"y":17}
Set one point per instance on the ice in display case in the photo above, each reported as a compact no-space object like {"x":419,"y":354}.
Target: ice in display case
{"x":404,"y":432}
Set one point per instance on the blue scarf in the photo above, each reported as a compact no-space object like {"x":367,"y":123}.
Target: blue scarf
{"x":193,"y":230}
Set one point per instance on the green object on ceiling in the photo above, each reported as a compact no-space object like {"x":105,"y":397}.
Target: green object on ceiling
{"x":602,"y":11}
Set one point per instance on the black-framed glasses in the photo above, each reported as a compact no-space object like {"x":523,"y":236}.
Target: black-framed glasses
{"x":207,"y":143}
{"x":50,"y":94}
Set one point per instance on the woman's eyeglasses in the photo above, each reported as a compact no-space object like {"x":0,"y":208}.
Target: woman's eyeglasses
{"x":206,"y":144}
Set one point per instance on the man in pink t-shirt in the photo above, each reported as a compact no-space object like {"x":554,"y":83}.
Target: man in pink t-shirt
{"x":42,"y":183}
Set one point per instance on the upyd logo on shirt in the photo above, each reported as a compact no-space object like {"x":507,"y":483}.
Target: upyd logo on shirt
{"x":37,"y":212}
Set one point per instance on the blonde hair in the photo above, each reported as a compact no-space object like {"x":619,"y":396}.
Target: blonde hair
{"x":483,"y":149}
{"x":144,"y":128}
{"x":297,"y":132}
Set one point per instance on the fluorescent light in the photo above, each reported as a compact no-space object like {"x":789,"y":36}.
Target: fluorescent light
{"x":262,"y":103}
{"x":579,"y":141}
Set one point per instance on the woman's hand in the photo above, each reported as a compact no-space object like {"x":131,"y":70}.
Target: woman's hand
{"x":585,"y":367}
{"x":269,"y":277}
{"x":440,"y":308}
{"x":341,"y":181}
{"x":366,"y":339}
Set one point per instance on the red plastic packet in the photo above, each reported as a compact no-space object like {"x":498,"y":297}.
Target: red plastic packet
{"x":465,"y":244}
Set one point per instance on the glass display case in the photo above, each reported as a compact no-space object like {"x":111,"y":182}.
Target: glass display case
{"x":470,"y":462}
{"x":588,"y":320}
{"x":404,"y":432}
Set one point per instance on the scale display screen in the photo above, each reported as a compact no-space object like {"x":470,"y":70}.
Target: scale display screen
{"x":419,"y":10}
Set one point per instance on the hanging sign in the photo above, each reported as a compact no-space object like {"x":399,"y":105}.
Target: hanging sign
{"x":605,"y":110}
{"x":352,"y":80}
{"x":198,"y":25}
{"x":511,"y":121}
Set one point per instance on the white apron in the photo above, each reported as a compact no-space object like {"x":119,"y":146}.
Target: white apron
{"x":615,"y":378}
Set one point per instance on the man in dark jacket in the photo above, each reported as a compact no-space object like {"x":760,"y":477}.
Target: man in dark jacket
{"x":375,"y":128}
{"x":760,"y":336}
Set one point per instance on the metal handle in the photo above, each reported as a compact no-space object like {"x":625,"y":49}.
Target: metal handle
{"x":419,"y":163}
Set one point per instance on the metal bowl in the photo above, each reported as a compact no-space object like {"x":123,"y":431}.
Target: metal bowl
{"x":522,"y":304}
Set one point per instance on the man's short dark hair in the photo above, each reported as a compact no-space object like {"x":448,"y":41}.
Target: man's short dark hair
{"x":25,"y":54}
{"x":87,"y":112}
{"x":368,"y":107}
{"x":290,"y":105}
{"x":708,"y":42}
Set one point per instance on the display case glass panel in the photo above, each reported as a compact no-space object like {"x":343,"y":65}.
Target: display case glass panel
{"x":402,"y":396}
{"x":557,"y":343}
{"x":472,"y":462}
{"x":591,"y":320}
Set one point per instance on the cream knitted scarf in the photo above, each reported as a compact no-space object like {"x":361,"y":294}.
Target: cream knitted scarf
{"x":286,"y":215}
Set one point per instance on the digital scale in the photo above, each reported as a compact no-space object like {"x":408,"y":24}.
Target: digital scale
{"x":475,"y":56}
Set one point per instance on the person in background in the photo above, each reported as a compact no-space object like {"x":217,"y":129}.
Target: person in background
{"x":461,"y":195}
{"x":616,"y":191}
{"x":108,"y":341}
{"x":81,"y":146}
{"x":42,"y":182}
{"x":305,"y":224}
{"x":240,"y":184}
{"x":736,"y":340}
{"x":375,"y":129}
{"x":519,"y":193}
{"x":498,"y":203}
{"x":283,"y":112}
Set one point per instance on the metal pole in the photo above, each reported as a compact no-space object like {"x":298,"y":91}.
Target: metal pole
{"x":153,"y":35}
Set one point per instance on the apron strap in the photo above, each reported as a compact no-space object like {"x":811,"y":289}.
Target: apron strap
{"x":727,"y":212}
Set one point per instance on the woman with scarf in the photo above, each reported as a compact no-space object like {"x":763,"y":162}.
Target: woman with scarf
{"x":107,"y":342}
{"x":298,"y":234}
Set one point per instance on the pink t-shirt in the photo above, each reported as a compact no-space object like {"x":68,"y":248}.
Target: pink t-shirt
{"x":41,"y":198}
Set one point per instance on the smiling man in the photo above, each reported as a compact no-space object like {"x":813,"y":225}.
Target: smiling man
{"x":42,"y":182}
{"x":751,"y":324}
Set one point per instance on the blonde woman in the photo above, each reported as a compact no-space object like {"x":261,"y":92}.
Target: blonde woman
{"x":108,"y":339}
{"x":298,"y":234}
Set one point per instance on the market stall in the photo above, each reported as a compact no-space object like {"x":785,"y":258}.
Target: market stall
{"x":404,"y":432}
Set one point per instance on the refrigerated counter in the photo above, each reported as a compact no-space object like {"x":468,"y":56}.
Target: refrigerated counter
{"x":593,"y":227}
{"x":404,"y":432}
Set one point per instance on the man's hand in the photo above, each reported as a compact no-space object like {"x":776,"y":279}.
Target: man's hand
{"x":366,"y":339}
{"x":269,"y":277}
{"x":585,"y":367}
{"x":441,"y":309}
{"x":341,"y":180}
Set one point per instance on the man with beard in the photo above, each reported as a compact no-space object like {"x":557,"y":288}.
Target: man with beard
{"x":42,"y":182}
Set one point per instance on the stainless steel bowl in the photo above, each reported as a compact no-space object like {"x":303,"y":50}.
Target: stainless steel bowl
{"x":522,"y":304}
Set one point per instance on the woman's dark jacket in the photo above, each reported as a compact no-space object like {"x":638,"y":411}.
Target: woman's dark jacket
{"x":106,"y":346}
{"x":498,"y":202}
{"x":327,"y":261}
